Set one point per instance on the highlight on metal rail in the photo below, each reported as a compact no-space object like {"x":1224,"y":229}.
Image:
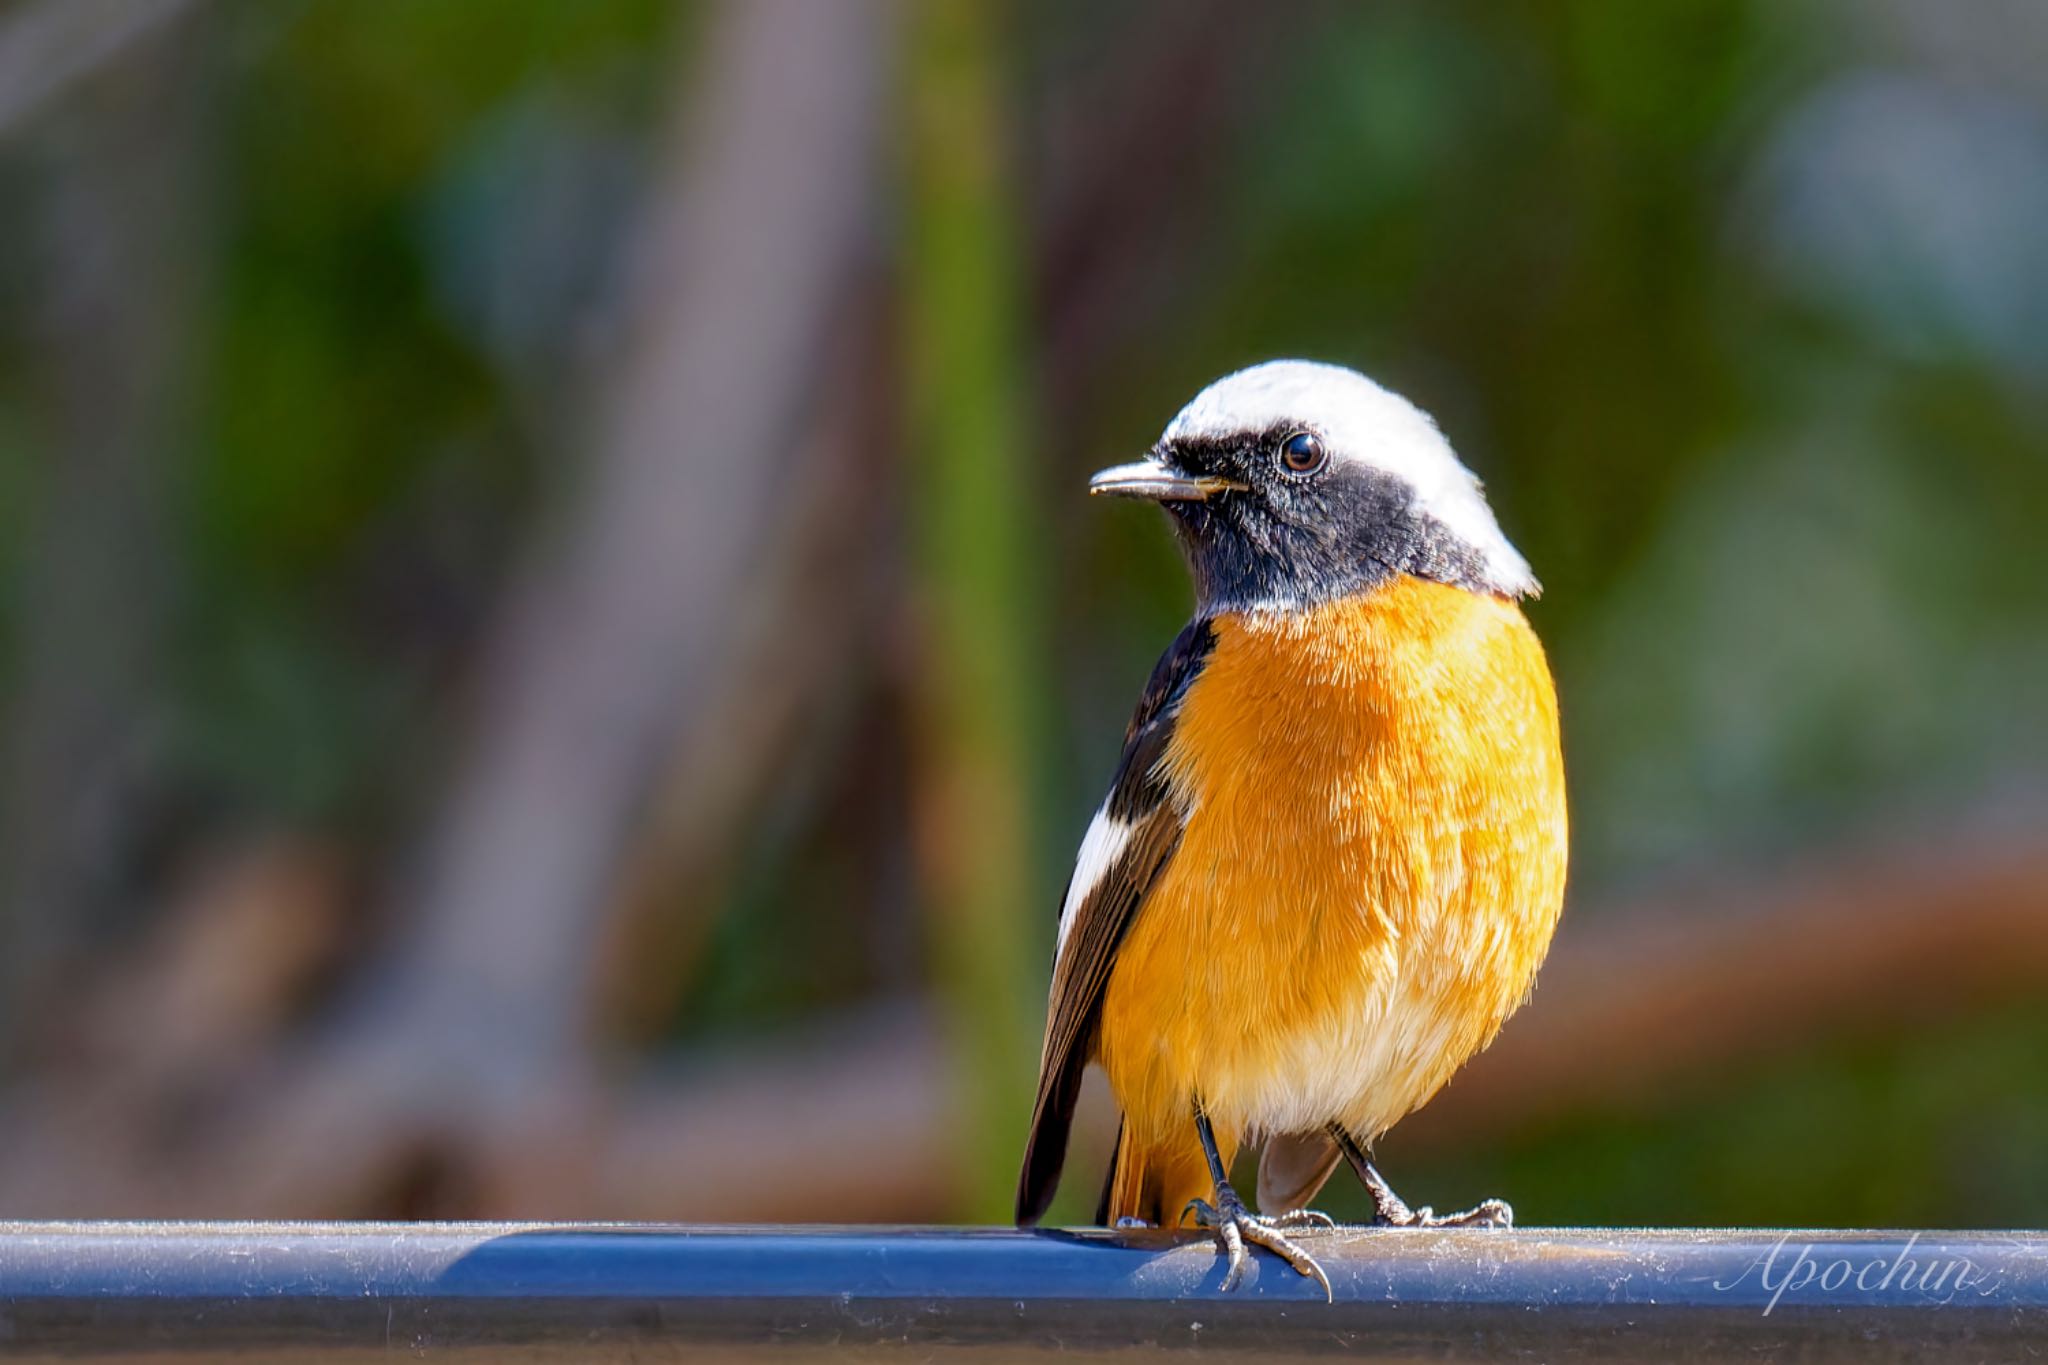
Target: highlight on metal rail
{"x":291,"y":1291}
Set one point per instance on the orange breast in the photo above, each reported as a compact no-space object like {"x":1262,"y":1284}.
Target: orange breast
{"x":1369,"y":878}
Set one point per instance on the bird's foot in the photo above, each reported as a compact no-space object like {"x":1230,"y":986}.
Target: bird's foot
{"x":1391,"y":1211}
{"x":1235,"y":1225}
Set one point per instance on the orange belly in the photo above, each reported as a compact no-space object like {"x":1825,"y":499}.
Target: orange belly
{"x":1368,"y":880}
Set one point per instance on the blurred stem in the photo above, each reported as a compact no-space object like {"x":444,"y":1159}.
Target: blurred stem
{"x":981,"y":668}
{"x":45,"y":48}
{"x":127,"y":244}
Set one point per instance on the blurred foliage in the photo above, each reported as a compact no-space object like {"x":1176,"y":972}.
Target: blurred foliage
{"x":980,"y":595}
{"x":1770,"y":439}
{"x":1928,"y":1126}
{"x":362,"y":461}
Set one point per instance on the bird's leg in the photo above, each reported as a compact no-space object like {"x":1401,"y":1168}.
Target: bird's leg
{"x":1235,"y":1225}
{"x":1390,"y":1210}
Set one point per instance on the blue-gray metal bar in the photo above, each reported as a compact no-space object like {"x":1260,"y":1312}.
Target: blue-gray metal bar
{"x":341,"y":1291}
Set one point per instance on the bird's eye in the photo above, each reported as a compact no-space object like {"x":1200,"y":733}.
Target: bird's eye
{"x":1303,"y":453}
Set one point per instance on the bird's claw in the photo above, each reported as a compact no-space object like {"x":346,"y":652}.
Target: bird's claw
{"x":1391,"y":1212}
{"x":1235,"y":1225}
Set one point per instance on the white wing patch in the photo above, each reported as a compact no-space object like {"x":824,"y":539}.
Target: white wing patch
{"x":1100,"y":848}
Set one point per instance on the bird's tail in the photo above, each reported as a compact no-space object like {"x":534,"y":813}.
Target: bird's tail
{"x":1154,"y":1181}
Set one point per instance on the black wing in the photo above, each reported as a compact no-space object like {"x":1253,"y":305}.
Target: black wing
{"x":1141,"y":805}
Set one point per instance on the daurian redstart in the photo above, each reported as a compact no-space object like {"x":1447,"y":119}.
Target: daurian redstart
{"x":1333,"y":851}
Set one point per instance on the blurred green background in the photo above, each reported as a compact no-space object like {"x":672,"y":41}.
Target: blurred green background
{"x":555,"y":653}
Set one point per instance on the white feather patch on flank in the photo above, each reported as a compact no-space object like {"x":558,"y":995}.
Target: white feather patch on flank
{"x":1100,"y":848}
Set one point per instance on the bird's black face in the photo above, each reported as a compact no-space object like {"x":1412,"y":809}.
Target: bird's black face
{"x":1272,"y":517}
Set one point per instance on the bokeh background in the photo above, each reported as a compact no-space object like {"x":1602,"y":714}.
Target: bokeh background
{"x":555,"y":653}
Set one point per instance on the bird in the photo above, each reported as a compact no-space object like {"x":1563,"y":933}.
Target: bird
{"x":1333,"y":851}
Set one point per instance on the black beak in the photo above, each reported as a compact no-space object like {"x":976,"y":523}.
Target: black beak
{"x":1154,"y":479}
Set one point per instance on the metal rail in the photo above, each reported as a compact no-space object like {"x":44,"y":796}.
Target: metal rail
{"x":299,"y":1291}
